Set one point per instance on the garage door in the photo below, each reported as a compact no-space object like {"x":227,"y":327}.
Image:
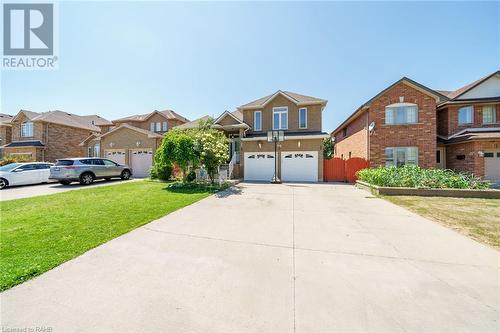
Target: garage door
{"x":141,"y":161}
{"x":299,"y":166}
{"x":259,"y":166}
{"x":492,"y":166}
{"x":117,"y":156}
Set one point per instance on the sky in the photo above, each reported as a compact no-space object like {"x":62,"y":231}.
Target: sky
{"x":201,"y":58}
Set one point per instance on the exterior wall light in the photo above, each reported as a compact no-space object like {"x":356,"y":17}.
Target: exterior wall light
{"x":480,"y":153}
{"x":298,"y":144}
{"x":138,"y":143}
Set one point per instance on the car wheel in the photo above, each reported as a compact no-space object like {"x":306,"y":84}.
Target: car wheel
{"x":125,"y":175}
{"x":86,"y":179}
{"x":3,"y":183}
{"x":65,"y":182}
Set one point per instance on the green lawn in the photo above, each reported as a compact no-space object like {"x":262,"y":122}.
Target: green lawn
{"x":37,"y":234}
{"x":476,"y":218}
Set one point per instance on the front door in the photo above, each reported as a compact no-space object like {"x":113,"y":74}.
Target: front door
{"x":441,"y":157}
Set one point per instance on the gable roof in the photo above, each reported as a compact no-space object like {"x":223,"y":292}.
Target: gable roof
{"x":97,"y":120}
{"x":64,"y":118}
{"x":133,"y":128}
{"x":5,"y":119}
{"x":193,"y":124}
{"x":168,"y":114}
{"x":438,"y":96}
{"x":459,"y":92}
{"x":293,"y":97}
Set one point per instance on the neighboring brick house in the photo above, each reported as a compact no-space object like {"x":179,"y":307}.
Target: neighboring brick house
{"x":408,"y":123}
{"x":5,"y":131}
{"x":300,"y":154}
{"x":51,"y":135}
{"x":132,"y":140}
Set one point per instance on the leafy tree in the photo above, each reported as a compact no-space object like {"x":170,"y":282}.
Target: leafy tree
{"x":177,"y":148}
{"x":212,"y":148}
{"x":328,"y":149}
{"x":206,"y":124}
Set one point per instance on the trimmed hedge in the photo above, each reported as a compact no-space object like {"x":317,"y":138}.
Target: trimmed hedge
{"x":414,"y":176}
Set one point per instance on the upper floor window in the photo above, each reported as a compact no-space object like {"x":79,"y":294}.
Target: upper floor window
{"x":401,"y":113}
{"x":489,"y":114}
{"x":164,"y":126}
{"x":158,"y":127}
{"x":280,"y":118}
{"x":27,"y":129}
{"x":303,"y":118}
{"x":152,"y":127}
{"x":398,"y":156}
{"x":466,"y":115}
{"x":257,"y":121}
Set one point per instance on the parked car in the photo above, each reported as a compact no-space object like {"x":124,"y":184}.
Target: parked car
{"x":85,"y":170}
{"x":24,"y":174}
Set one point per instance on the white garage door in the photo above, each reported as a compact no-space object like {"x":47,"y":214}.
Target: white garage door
{"x":492,"y":166}
{"x":141,"y":161}
{"x":299,"y":166}
{"x":259,"y":166}
{"x":117,"y":156}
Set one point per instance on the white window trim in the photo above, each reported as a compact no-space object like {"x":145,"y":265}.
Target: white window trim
{"x":30,"y":134}
{"x":494,"y":120}
{"x":471,"y":117}
{"x":152,"y":127}
{"x":164,"y":126}
{"x":255,"y":121}
{"x":158,"y":127}
{"x":396,"y":105}
{"x":306,"y":112}
{"x":280,"y":112}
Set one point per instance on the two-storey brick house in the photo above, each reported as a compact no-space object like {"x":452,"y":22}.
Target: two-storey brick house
{"x":48,"y":136}
{"x":5,"y":131}
{"x":299,"y":157}
{"x":133,"y":140}
{"x":408,"y":123}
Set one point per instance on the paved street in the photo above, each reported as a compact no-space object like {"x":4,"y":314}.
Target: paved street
{"x":272,"y":258}
{"x":27,"y":191}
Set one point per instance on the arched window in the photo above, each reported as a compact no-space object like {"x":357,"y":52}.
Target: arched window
{"x":27,"y":129}
{"x":401,"y":113}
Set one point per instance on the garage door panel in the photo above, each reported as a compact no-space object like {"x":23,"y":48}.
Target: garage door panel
{"x":492,"y":166}
{"x":117,"y":156}
{"x":299,"y":166}
{"x":259,"y":166}
{"x":142,"y":161}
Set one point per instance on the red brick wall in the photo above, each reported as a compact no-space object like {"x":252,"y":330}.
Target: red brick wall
{"x":454,"y":127}
{"x":473,"y":163}
{"x":421,"y":135}
{"x":443,"y":122}
{"x":355,"y":141}
{"x":64,"y":141}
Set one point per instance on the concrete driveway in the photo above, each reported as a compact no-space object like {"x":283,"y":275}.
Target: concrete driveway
{"x":28,"y":191}
{"x":272,"y":258}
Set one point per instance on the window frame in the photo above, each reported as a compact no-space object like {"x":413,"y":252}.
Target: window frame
{"x":259,"y":128}
{"x":393,"y":108}
{"x":152,"y":127}
{"x":23,"y":129}
{"x":469,"y":107}
{"x":394,"y":154}
{"x":164,"y":126}
{"x":158,"y":127}
{"x":305,"y":115}
{"x":280,"y":110}
{"x":494,"y":114}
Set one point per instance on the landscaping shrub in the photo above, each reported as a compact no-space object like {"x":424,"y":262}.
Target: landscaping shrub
{"x":15,"y":159}
{"x":191,"y":177}
{"x":161,"y":171}
{"x":195,"y":187}
{"x":414,"y":176}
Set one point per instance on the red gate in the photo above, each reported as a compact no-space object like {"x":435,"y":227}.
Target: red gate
{"x":334,"y":170}
{"x":340,"y":170}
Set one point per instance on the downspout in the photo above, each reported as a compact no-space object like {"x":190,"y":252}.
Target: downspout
{"x":368,"y":135}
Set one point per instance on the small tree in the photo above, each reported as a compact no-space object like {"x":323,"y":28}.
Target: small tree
{"x":212,"y":148}
{"x":177,"y":148}
{"x":328,"y":149}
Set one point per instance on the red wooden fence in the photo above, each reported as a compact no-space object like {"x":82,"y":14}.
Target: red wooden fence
{"x":340,"y":170}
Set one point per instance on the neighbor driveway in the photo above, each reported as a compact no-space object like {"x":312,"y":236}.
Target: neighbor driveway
{"x":272,"y":258}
